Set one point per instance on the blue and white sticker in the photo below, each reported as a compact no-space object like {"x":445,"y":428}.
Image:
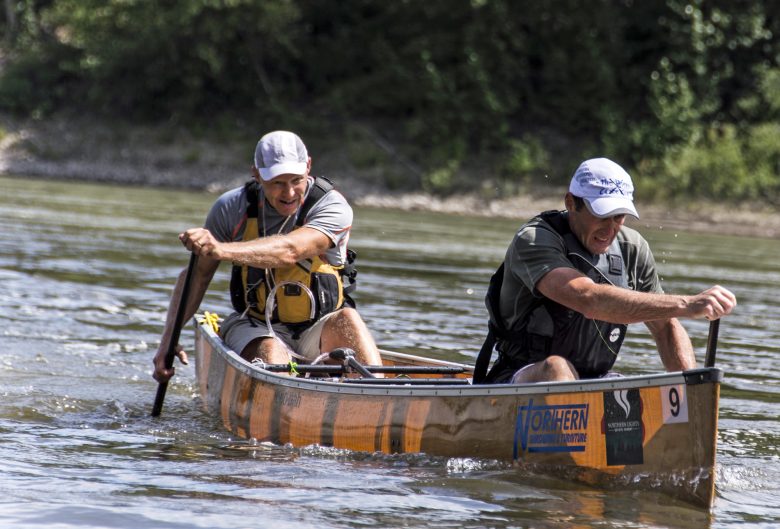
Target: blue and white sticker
{"x":551,"y":428}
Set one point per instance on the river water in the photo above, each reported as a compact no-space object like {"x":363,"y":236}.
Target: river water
{"x":85,"y":275}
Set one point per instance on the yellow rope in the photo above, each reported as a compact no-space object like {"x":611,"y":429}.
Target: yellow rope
{"x":212,"y":320}
{"x":293,"y":370}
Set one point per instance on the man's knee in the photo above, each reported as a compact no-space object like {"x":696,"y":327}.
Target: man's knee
{"x":346,"y":320}
{"x":267,"y":349}
{"x":559,"y":368}
{"x":348,"y":314}
{"x":252,"y":350}
{"x":346,"y":328}
{"x":552,"y":368}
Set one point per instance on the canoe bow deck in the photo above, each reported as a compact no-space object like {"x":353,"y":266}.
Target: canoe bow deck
{"x":652,"y":431}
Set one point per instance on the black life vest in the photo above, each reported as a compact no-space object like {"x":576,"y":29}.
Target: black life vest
{"x":551,"y":328}
{"x":303,"y":292}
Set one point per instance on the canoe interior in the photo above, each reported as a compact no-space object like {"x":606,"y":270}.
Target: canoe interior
{"x":653,"y":431}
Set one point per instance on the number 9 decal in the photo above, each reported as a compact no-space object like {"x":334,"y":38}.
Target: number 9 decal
{"x":675,"y":403}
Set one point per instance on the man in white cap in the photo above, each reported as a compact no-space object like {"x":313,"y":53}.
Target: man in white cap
{"x":285,"y":233}
{"x":573,"y":280}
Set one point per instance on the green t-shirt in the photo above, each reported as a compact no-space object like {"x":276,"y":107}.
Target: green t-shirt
{"x":537,"y":249}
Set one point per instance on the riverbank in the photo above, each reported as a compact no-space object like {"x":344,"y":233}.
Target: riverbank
{"x":169,"y":157}
{"x":699,"y":217}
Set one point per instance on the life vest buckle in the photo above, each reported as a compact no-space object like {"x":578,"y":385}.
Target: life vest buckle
{"x":292,"y":289}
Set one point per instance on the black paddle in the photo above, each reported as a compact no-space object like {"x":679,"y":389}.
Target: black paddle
{"x":712,"y":343}
{"x":175,"y":332}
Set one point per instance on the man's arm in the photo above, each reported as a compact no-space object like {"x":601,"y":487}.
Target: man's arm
{"x":673,"y":344}
{"x":267,"y":252}
{"x":201,"y":278}
{"x":604,"y":302}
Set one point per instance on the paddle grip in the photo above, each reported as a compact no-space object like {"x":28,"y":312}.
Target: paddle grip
{"x":712,"y":343}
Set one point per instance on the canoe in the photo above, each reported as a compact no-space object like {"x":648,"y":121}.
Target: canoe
{"x":654,"y":431}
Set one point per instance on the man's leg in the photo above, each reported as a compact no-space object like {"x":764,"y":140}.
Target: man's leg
{"x":269,"y":350}
{"x":345,"y":328}
{"x":252,"y":339}
{"x":552,"y":368}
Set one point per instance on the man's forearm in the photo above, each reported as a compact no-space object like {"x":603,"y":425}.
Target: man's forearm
{"x":200,"y":282}
{"x":673,"y":344}
{"x":269,"y":252}
{"x":274,"y":251}
{"x":620,"y":305}
{"x":572,"y":289}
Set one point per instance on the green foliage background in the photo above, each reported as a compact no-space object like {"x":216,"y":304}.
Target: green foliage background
{"x":685,"y":94}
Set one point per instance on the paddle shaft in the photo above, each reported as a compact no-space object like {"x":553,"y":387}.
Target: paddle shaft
{"x":175,"y":333}
{"x":712,"y":343}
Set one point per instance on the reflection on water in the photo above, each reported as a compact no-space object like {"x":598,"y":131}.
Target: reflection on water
{"x":86,"y":272}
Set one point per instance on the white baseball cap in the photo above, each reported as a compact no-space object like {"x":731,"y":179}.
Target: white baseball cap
{"x":606,"y":188}
{"x":280,"y":152}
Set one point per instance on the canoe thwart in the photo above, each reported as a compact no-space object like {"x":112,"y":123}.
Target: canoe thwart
{"x":409,"y":381}
{"x":335,"y":369}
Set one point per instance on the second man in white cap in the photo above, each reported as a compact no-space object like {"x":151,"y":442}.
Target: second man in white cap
{"x":573,"y":280}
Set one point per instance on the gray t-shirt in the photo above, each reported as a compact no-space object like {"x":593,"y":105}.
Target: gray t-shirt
{"x":331,"y":215}
{"x":537,"y":249}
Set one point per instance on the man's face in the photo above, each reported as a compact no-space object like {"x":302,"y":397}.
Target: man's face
{"x":595,"y":234}
{"x":285,"y":192}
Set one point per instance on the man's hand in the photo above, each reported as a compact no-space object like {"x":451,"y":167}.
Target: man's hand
{"x":200,"y":241}
{"x":161,"y":373}
{"x":712,"y":304}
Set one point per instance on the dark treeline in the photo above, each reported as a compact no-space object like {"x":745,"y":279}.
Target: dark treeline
{"x":686,"y":94}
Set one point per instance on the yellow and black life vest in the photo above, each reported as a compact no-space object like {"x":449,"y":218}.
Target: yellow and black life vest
{"x":303,"y":292}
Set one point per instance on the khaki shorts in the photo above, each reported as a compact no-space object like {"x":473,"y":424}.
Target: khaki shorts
{"x":238,"y":331}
